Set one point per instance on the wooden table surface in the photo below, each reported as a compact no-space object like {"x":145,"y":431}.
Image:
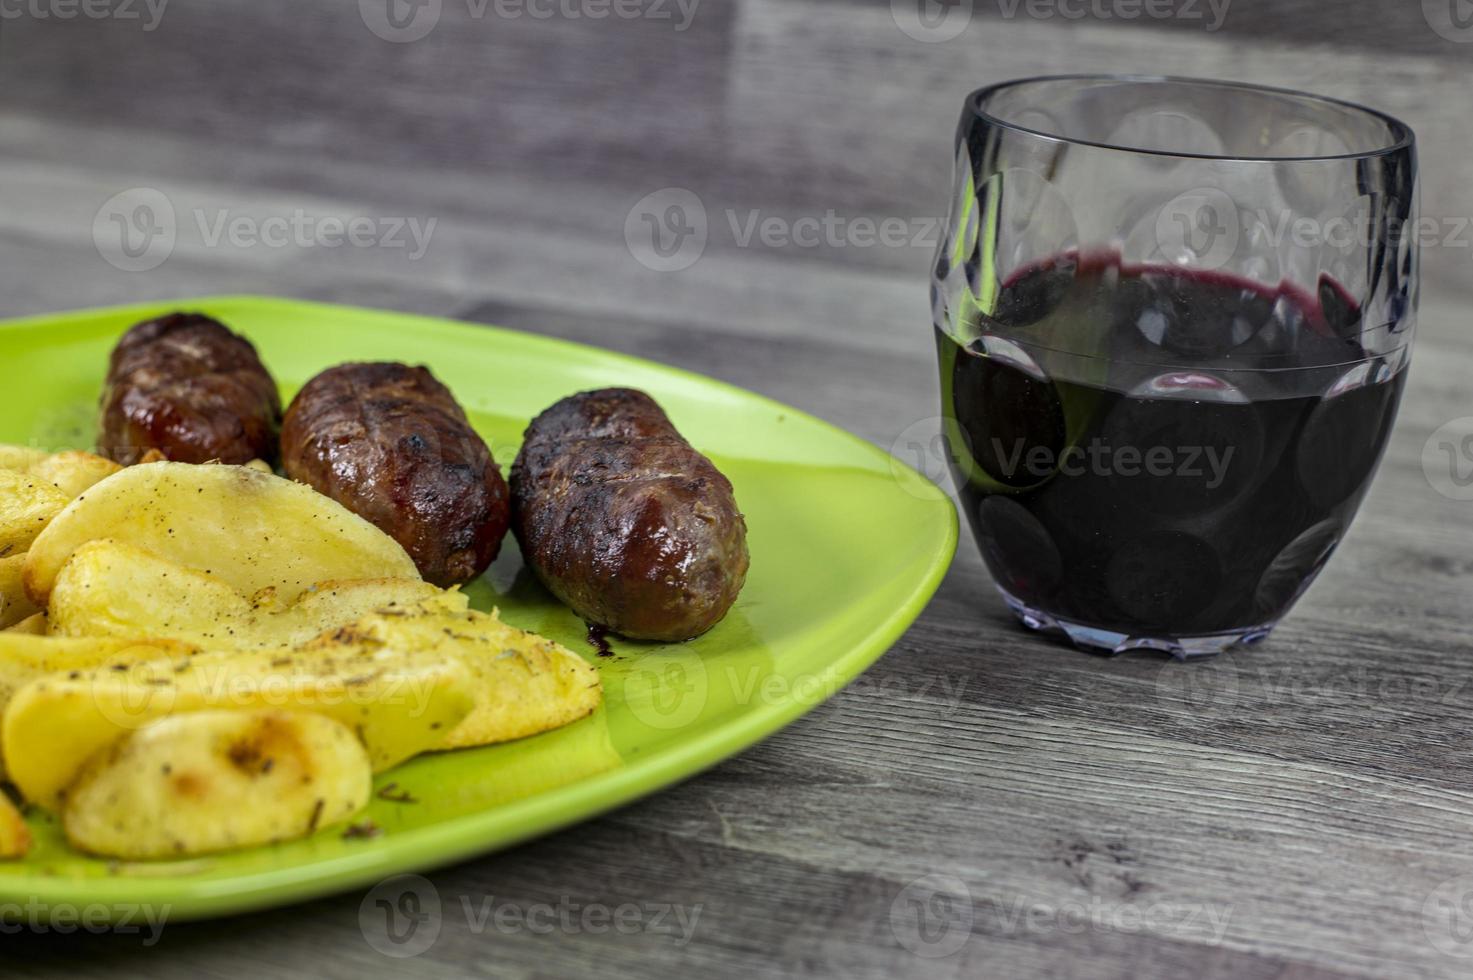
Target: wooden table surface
{"x":983,"y":802}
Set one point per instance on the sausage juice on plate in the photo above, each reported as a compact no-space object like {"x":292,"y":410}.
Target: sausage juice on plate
{"x":390,"y":443}
{"x":624,"y":521}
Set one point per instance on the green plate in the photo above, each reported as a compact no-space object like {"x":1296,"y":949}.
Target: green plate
{"x":847,"y":547}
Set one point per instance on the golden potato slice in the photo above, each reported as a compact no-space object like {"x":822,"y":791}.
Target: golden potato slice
{"x":15,"y":836}
{"x":525,"y":683}
{"x":108,"y":588}
{"x":27,"y":505}
{"x":25,"y":657}
{"x":32,"y":625}
{"x":252,"y":530}
{"x":15,"y":605}
{"x":20,"y":458}
{"x":216,"y":780}
{"x":73,"y":472}
{"x":399,"y":702}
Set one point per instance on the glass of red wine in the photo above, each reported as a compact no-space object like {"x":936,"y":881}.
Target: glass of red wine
{"x":1173,"y":320}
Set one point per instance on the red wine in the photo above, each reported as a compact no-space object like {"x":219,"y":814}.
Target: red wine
{"x":1148,"y":450}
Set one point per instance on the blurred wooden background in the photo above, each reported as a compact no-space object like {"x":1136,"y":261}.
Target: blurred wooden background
{"x":1324,"y":821}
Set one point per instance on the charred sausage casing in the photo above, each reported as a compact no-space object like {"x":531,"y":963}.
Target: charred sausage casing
{"x":624,"y":521}
{"x":188,"y":387}
{"x":390,"y":443}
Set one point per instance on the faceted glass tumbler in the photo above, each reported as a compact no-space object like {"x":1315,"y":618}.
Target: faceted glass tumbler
{"x":1173,"y":320}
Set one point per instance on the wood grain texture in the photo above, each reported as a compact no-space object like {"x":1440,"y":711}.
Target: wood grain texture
{"x":1288,"y":811}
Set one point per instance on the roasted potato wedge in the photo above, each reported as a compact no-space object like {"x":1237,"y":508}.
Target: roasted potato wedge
{"x":399,"y":702}
{"x":35,"y":486}
{"x":525,"y":683}
{"x":252,"y":530}
{"x":15,"y":836}
{"x":15,"y":605}
{"x":108,"y":588}
{"x":27,"y":504}
{"x":32,"y":625}
{"x":25,"y":657}
{"x":216,"y":780}
{"x":20,"y":458}
{"x":73,"y":472}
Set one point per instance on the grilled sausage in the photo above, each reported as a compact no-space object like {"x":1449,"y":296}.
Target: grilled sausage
{"x":390,"y":443}
{"x":186,"y":386}
{"x":623,"y":521}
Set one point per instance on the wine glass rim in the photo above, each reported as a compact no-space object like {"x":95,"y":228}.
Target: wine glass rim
{"x":1401,"y":135}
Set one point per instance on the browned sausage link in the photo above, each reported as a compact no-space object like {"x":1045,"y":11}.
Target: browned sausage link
{"x":390,"y":443}
{"x":186,"y":386}
{"x":623,"y":521}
